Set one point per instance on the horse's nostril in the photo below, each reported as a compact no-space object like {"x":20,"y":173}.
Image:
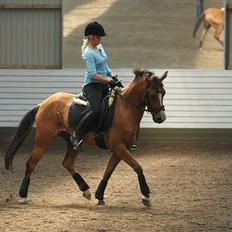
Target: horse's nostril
{"x":159,"y":118}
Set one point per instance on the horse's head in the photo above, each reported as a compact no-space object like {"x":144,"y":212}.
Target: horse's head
{"x":154,"y":95}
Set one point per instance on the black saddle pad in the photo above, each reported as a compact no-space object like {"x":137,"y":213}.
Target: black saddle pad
{"x":77,"y":112}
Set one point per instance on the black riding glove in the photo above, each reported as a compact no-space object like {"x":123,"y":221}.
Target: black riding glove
{"x":115,"y":78}
{"x":112,"y":84}
{"x":117,"y":81}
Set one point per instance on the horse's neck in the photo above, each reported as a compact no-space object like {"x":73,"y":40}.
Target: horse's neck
{"x":134,"y":95}
{"x":130,"y":109}
{"x":134,"y":92}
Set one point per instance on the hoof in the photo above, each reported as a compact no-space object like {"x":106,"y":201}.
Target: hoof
{"x":146,"y":201}
{"x":22,"y":200}
{"x":87,"y":194}
{"x":101,"y":203}
{"x":133,"y":147}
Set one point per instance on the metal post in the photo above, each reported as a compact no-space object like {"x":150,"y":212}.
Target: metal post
{"x":228,"y":34}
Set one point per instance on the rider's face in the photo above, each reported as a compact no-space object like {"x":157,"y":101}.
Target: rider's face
{"x":95,"y":40}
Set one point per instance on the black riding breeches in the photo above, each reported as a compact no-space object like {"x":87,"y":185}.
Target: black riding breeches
{"x":95,"y":93}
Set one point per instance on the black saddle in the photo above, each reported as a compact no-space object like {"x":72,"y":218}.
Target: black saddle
{"x":80,"y":107}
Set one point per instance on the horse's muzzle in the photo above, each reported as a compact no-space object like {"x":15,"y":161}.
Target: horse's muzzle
{"x":159,"y":117}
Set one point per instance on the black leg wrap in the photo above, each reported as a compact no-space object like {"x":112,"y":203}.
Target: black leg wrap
{"x":143,"y":185}
{"x":101,"y":189}
{"x":83,"y":186}
{"x":24,"y":187}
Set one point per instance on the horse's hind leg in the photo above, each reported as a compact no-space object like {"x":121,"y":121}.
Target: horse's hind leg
{"x":113,"y":162}
{"x":203,"y":34}
{"x":42,"y":141}
{"x":69,"y":164}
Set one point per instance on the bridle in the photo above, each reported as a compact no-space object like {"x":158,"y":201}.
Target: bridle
{"x":146,"y":106}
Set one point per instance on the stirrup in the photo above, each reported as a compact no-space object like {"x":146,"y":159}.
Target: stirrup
{"x":133,"y":147}
{"x":76,"y":142}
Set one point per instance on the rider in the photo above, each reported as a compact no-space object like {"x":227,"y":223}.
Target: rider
{"x":96,"y":79}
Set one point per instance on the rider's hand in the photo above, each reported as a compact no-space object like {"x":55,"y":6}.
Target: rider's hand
{"x":116,"y":80}
{"x":112,"y":84}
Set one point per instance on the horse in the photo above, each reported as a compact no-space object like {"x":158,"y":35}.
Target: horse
{"x":211,"y":17}
{"x":144,"y":93}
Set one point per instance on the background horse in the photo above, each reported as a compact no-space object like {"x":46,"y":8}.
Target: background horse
{"x":51,"y":118}
{"x":211,"y":17}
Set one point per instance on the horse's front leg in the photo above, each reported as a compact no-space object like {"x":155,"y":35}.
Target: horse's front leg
{"x":113,"y":162}
{"x":218,"y":31}
{"x":125,"y":155}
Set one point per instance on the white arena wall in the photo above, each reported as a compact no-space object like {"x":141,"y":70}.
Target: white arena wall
{"x":194,"y":99}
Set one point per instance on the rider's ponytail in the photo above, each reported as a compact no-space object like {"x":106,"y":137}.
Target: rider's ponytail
{"x":84,"y":45}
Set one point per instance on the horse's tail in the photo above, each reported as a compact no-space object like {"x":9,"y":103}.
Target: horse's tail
{"x":20,"y":135}
{"x":197,"y":25}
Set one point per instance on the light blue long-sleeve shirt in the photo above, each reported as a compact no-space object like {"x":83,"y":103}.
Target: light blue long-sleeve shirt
{"x":96,"y":63}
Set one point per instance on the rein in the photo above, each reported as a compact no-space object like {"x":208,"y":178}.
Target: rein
{"x":146,"y":106}
{"x":136,"y":106}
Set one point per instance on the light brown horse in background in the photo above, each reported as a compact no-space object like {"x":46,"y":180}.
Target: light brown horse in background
{"x":145,"y":92}
{"x":211,"y":17}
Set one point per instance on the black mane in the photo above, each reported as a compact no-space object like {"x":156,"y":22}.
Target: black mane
{"x":141,"y":72}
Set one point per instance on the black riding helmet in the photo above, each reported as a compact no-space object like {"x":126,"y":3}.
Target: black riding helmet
{"x":94,"y":28}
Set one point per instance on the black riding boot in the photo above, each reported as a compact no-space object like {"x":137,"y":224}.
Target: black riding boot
{"x":82,"y":128}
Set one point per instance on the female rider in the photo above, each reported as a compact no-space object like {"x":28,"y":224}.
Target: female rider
{"x":96,"y":79}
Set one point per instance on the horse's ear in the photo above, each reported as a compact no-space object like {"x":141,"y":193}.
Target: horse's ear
{"x":164,"y":76}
